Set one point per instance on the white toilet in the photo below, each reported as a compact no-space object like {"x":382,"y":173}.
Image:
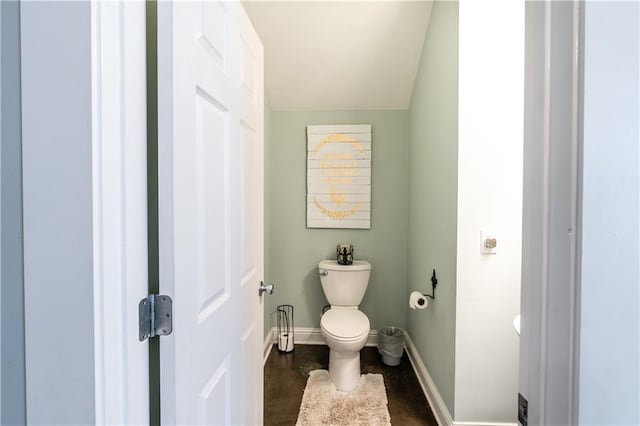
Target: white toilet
{"x":344,"y":327}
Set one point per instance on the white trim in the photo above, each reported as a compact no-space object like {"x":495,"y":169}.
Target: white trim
{"x":120,"y":276}
{"x":549,"y":340}
{"x":306,"y":336}
{"x":268,"y":343}
{"x":313,"y":336}
{"x":438,"y":407}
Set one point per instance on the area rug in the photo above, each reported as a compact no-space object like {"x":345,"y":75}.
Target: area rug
{"x":322,"y":404}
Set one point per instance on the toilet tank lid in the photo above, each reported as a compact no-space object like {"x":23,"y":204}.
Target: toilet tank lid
{"x":333,"y":265}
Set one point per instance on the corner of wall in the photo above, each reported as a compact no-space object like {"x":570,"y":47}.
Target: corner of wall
{"x":268,"y":141}
{"x":433,"y":196}
{"x":293,"y":251}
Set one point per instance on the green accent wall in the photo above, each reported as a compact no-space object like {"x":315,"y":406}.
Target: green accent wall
{"x":12,"y":353}
{"x":433,"y":179}
{"x":292,"y":251}
{"x":269,"y":301}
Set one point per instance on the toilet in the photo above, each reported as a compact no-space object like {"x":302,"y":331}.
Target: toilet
{"x":344,"y":327}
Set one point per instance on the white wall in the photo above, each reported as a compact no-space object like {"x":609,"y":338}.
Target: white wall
{"x":58,"y":264}
{"x":490,"y":171}
{"x":610,"y":323}
{"x":85,"y":233}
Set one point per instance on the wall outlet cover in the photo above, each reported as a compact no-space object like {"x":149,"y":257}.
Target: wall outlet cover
{"x":488,"y":242}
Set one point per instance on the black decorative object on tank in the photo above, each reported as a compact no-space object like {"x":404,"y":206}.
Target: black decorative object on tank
{"x":345,"y":254}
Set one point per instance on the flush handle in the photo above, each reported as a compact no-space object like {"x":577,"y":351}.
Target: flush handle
{"x":323,"y":272}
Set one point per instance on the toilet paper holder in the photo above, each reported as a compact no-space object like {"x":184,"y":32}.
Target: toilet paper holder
{"x":434,"y":283}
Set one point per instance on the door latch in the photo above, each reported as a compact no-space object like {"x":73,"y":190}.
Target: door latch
{"x":155,"y":316}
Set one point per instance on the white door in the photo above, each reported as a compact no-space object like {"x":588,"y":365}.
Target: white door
{"x":210,"y":99}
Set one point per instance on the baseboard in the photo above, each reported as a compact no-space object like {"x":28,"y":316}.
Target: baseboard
{"x":268,"y":343}
{"x":313,"y":336}
{"x":306,"y":336}
{"x":438,"y":407}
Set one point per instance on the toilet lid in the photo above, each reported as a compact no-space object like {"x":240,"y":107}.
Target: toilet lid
{"x":345,"y":323}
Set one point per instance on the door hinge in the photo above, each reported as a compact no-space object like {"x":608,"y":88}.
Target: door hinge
{"x":155,"y":316}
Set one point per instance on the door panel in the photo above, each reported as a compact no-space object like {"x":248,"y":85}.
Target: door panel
{"x":210,"y":89}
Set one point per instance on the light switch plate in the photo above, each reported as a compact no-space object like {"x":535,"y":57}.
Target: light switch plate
{"x":488,"y":242}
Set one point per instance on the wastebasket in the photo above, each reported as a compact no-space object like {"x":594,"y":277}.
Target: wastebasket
{"x":390,"y":345}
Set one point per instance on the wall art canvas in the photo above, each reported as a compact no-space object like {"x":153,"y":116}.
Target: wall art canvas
{"x":339,"y":176}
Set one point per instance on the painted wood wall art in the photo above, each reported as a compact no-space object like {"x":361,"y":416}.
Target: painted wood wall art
{"x":339,"y":176}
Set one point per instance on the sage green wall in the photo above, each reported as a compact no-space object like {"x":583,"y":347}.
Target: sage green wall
{"x":12,"y":353}
{"x":433,"y":177}
{"x":292,"y":251}
{"x":269,"y":301}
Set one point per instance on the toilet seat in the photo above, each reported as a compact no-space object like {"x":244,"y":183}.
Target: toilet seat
{"x":345,"y":324}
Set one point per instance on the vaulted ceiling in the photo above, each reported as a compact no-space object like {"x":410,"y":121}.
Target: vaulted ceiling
{"x":336,"y":55}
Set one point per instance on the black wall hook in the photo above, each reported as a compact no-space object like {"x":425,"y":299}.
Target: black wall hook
{"x":434,"y":283}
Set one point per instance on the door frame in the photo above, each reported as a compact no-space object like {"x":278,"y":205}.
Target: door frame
{"x":552,"y":211}
{"x":85,"y":239}
{"x":117,"y":45}
{"x":119,"y":146}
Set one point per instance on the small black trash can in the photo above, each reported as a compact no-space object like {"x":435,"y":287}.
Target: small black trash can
{"x":390,"y":345}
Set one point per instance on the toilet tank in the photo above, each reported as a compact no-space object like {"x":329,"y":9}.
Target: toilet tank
{"x":344,"y":285}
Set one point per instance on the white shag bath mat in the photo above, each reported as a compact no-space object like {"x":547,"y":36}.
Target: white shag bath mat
{"x":322,"y":404}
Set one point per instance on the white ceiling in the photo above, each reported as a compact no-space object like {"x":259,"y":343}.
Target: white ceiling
{"x":334,"y":55}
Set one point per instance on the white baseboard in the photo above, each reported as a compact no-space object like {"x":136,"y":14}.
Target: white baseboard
{"x":438,"y":407}
{"x":268,"y":343}
{"x":306,"y":336}
{"x":313,"y":336}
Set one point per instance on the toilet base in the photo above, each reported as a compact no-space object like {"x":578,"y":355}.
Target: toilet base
{"x":344,"y":370}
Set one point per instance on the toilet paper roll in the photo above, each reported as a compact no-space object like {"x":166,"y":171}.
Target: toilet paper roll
{"x":285,"y":342}
{"x":417,"y":300}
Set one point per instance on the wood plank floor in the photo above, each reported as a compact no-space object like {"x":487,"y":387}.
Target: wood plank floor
{"x":285,"y":376}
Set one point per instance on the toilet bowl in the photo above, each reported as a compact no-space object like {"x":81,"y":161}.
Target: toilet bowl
{"x":344,"y":327}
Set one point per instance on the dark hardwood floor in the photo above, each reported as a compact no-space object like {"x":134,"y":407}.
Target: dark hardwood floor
{"x":285,"y":376}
